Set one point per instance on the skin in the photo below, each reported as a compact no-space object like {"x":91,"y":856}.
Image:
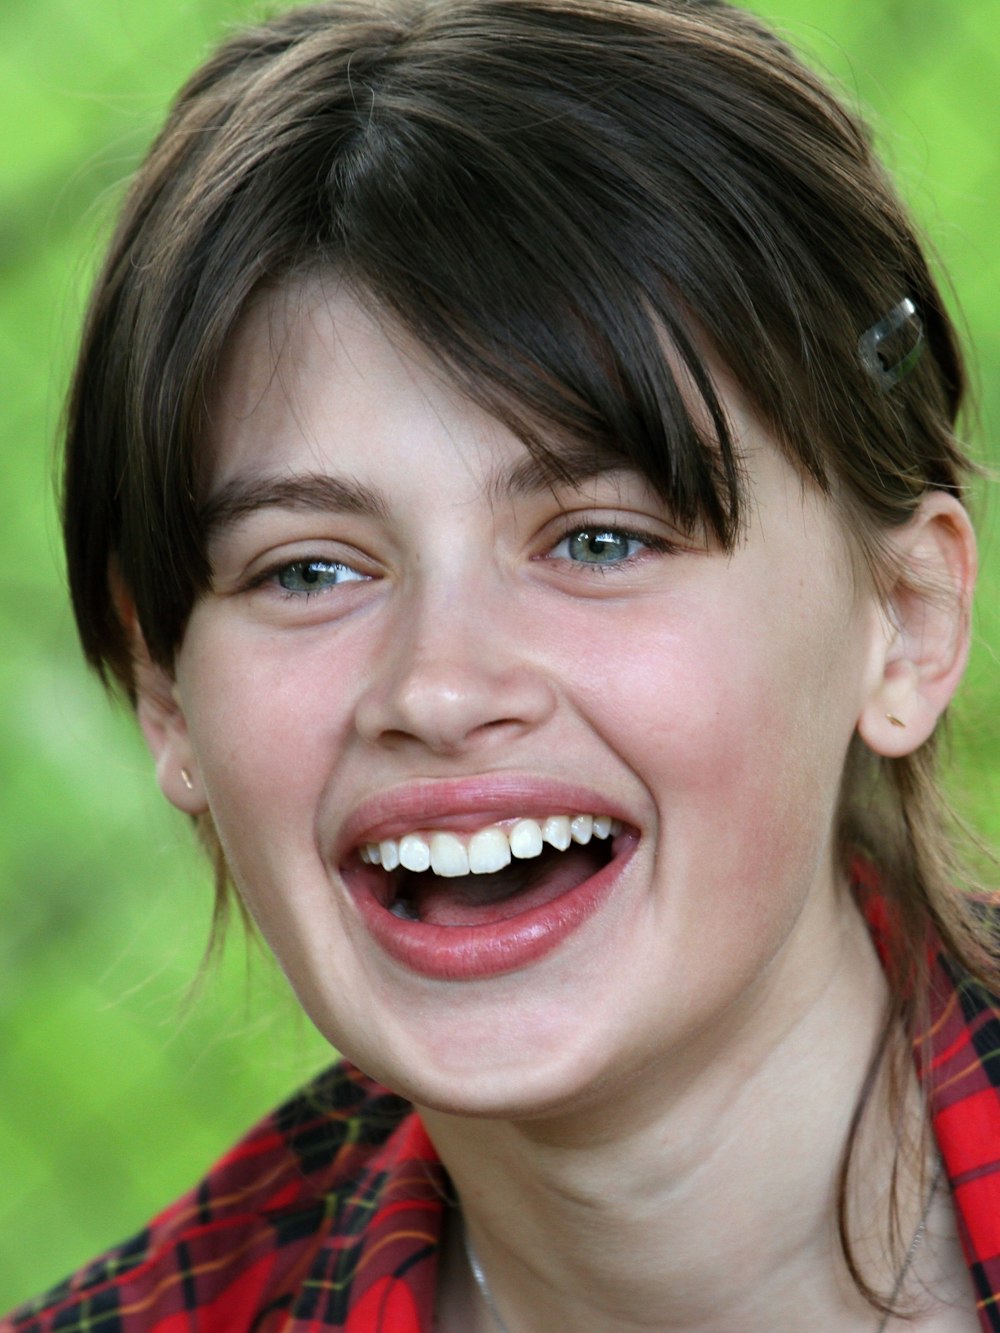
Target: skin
{"x":656,"y":1114}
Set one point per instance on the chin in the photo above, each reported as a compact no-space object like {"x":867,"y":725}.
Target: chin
{"x":526,"y":1078}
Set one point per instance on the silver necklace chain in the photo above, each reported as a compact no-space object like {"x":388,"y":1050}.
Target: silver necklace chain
{"x":486,"y":1292}
{"x":918,"y":1236}
{"x":476,"y":1268}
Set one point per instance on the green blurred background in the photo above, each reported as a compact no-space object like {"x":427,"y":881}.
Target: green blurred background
{"x":115,"y":1092}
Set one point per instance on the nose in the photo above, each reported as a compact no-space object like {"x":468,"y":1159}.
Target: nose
{"x":454,"y":677}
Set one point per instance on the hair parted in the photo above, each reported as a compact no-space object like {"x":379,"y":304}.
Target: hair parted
{"x":545,"y":194}
{"x":538,"y":190}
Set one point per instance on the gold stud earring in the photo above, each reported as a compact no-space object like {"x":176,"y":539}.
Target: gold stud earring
{"x":186,"y":779}
{"x":896,"y":721}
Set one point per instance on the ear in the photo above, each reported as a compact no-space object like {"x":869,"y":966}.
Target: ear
{"x":927,"y":627}
{"x":161,"y":716}
{"x":164,"y":726}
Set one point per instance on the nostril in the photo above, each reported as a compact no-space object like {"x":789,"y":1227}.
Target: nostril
{"x":448,"y":728}
{"x":450,"y":708}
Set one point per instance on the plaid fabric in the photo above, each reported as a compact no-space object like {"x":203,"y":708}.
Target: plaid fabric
{"x":329,"y":1215}
{"x":959,"y":1059}
{"x":326,"y":1216}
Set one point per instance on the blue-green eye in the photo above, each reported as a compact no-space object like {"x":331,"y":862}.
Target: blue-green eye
{"x":306,"y":576}
{"x":598,"y":546}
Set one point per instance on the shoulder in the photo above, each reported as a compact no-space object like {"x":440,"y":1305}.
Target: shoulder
{"x":317,"y":1170}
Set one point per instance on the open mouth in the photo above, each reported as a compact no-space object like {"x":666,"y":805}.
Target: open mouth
{"x":447,"y":879}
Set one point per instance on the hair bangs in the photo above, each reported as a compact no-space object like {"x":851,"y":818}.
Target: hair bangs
{"x":563,"y":340}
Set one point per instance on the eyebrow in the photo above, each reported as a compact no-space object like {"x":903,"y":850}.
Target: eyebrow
{"x":242,"y":497}
{"x":312,"y":492}
{"x":568,"y":466}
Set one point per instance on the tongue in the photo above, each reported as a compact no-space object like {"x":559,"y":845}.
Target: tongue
{"x":479,"y":900}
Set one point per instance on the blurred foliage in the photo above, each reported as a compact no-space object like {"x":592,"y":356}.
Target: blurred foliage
{"x":117,"y":1093}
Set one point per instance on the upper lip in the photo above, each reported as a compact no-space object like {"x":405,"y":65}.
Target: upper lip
{"x":467,"y":804}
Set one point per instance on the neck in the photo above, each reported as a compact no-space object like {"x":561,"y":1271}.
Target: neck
{"x":708,"y":1195}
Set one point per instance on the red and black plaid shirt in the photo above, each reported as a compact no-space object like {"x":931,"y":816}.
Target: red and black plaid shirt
{"x":329,"y":1215}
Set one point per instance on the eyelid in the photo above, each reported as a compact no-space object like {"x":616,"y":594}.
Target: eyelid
{"x":248,"y":551}
{"x":262,"y":572}
{"x":271,"y":574}
{"x":355,"y":575}
{"x":570,"y":524}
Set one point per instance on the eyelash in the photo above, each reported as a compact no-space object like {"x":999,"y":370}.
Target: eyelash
{"x":272,"y":575}
{"x":647,"y":540}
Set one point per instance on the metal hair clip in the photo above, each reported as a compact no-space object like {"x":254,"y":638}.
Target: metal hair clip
{"x":884,"y":372}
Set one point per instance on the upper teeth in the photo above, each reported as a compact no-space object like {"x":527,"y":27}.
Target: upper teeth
{"x":488,"y":850}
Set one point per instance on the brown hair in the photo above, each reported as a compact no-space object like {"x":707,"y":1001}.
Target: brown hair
{"x":537,"y":190}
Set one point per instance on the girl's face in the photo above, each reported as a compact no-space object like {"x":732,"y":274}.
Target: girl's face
{"x":414,"y":638}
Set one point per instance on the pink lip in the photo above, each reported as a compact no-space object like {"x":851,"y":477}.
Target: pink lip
{"x":468,"y":953}
{"x":466,"y":804}
{"x":473,"y":953}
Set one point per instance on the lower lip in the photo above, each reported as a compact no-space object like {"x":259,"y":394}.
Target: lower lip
{"x":474,"y":953}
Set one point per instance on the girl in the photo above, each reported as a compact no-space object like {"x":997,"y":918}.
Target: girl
{"x":511,"y":468}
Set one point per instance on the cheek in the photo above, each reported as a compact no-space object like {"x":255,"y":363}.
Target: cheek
{"x":708,"y":695}
{"x":737,"y":723}
{"x":267,"y":726}
{"x":743,"y":771}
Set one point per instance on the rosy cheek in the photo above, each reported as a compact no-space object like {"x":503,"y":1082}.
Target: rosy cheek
{"x":682,"y":695}
{"x":714,"y":721}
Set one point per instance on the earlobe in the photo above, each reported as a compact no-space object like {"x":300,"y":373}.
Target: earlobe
{"x":159,"y":712}
{"x":164,"y":726}
{"x":927,"y":627}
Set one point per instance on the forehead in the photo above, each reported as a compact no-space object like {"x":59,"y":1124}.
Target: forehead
{"x":316,"y":373}
{"x":306,"y":358}
{"x":317,"y":379}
